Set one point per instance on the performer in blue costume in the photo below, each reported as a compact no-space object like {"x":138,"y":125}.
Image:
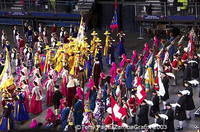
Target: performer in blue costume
{"x":6,"y":122}
{"x":88,"y":66}
{"x":103,"y":86}
{"x":64,"y":116}
{"x":78,"y":112}
{"x":21,"y":113}
{"x":120,"y":47}
{"x":93,"y":96}
{"x":99,"y":56}
{"x":117,"y":78}
{"x":129,"y":75}
{"x":104,"y":91}
{"x":111,"y":55}
{"x":172,"y":50}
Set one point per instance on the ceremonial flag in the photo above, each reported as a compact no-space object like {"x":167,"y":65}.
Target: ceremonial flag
{"x":114,"y":23}
{"x":141,"y":93}
{"x":42,"y":62}
{"x":47,"y":61}
{"x":161,"y":91}
{"x":150,"y":60}
{"x":6,"y":78}
{"x":166,"y":57}
{"x":191,"y":48}
{"x":149,"y":78}
{"x":118,"y":113}
{"x":160,"y":53}
{"x":81,"y":31}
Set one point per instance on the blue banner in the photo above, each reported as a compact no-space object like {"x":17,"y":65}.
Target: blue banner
{"x":17,"y":13}
{"x":40,"y":14}
{"x":152,"y":17}
{"x":182,"y":18}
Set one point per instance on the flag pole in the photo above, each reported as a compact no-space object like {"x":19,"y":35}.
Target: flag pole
{"x":141,"y":36}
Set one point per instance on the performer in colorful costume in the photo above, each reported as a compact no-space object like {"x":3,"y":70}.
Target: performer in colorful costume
{"x":21,"y":113}
{"x":6,"y":122}
{"x":120,"y":46}
{"x":36,"y":100}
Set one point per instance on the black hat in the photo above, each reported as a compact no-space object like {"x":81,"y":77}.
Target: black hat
{"x":18,"y":89}
{"x":7,"y":98}
{"x":124,"y":98}
{"x":35,"y":83}
{"x":178,"y":92}
{"x":176,"y":55}
{"x":56,"y":88}
{"x":133,"y":91}
{"x":163,"y":73}
{"x":157,"y":114}
{"x":168,"y":104}
{"x":144,"y":102}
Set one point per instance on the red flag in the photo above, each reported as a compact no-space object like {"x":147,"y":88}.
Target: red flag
{"x":117,"y":112}
{"x":141,"y":93}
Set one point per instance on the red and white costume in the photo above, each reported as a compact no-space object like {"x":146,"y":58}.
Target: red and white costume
{"x":184,"y":57}
{"x":132,"y":105}
{"x":175,"y":64}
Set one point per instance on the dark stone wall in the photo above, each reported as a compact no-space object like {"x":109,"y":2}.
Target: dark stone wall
{"x":128,"y":18}
{"x":104,"y":14}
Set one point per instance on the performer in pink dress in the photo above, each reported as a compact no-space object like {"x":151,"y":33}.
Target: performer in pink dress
{"x":45,"y":35}
{"x":64,"y":81}
{"x":38,"y":79}
{"x":90,"y":86}
{"x":134,"y":59}
{"x":22,"y":77}
{"x":123,"y":61}
{"x":156,"y":43}
{"x":50,"y":118}
{"x":36,"y":100}
{"x":33,"y":124}
{"x":79,"y":93}
{"x":113,"y":72}
{"x":24,"y":69}
{"x":146,"y":53}
{"x":50,"y":90}
{"x":35,"y":71}
{"x":53,"y":73}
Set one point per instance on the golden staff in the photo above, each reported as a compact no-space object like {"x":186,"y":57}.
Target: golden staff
{"x":48,"y":55}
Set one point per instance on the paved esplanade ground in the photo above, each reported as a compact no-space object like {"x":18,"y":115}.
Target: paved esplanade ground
{"x":131,"y":44}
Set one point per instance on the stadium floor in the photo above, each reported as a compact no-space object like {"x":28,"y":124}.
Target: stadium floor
{"x":130,"y":44}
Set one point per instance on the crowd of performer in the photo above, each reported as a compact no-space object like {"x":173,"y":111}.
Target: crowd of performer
{"x":92,"y":83}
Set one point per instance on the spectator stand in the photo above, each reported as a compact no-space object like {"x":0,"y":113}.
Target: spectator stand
{"x":63,"y":13}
